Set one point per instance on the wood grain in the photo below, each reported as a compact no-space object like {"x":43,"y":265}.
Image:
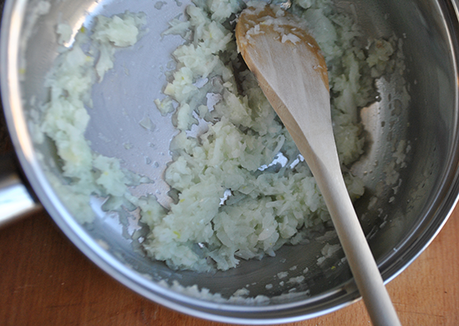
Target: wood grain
{"x":45,"y":280}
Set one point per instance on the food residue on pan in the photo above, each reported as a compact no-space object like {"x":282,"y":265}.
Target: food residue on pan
{"x":242,"y":190}
{"x":64,"y":118}
{"x":267,"y":208}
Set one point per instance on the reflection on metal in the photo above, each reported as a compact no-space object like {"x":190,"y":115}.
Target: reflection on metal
{"x":286,"y":5}
{"x":14,"y":201}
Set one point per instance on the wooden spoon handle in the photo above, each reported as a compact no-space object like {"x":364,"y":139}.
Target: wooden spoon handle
{"x":358,"y":253}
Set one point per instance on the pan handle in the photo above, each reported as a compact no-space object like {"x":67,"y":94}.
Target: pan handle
{"x":16,"y":199}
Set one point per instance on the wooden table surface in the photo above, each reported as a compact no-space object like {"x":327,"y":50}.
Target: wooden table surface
{"x":45,"y":280}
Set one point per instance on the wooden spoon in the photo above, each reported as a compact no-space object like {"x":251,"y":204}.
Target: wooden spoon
{"x":293,"y":75}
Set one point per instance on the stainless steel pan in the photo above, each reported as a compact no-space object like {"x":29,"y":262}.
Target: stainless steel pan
{"x":399,"y":225}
